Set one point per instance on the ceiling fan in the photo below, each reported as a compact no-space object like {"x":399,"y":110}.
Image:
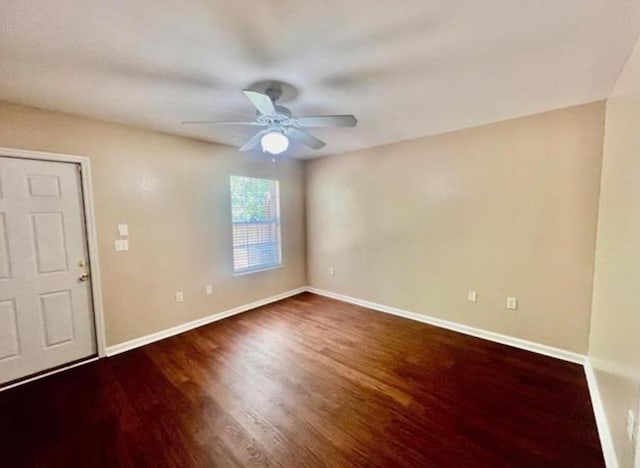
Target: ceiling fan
{"x":280,"y":126}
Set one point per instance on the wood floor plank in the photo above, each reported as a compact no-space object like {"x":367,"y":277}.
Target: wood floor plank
{"x":308,"y":381}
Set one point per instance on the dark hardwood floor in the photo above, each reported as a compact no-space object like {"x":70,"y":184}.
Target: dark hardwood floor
{"x":307,"y":381}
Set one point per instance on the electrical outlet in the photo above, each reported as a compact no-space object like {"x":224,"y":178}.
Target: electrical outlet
{"x":472,"y":296}
{"x":179,"y":296}
{"x":122,"y":245}
{"x":332,"y":271}
{"x":512,"y":303}
{"x":631,"y":425}
{"x":209,"y":290}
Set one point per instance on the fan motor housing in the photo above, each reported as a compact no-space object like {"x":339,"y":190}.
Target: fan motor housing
{"x":283,"y":114}
{"x":278,"y":91}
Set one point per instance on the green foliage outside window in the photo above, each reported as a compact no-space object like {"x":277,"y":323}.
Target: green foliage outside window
{"x":252,"y":199}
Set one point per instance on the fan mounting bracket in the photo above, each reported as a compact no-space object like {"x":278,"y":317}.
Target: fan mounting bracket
{"x":278,"y":91}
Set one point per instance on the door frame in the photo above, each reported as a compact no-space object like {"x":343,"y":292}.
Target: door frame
{"x":92,"y":246}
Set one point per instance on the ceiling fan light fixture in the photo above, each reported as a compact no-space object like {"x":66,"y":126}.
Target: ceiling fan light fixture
{"x":279,"y":126}
{"x":274,"y":142}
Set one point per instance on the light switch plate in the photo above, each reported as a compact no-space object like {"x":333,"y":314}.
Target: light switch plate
{"x":512,"y":303}
{"x":123,"y":230}
{"x":209,"y":289}
{"x":179,"y":296}
{"x":472,"y":296}
{"x":332,"y":271}
{"x":122,"y":245}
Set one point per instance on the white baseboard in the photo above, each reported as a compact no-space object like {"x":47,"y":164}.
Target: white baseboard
{"x":457,"y":327}
{"x":601,"y":418}
{"x":143,"y":340}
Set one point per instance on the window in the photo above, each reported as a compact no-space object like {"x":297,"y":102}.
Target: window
{"x":255,"y":214}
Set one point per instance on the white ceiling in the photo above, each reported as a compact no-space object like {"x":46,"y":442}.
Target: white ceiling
{"x":406,"y":69}
{"x":628,"y":84}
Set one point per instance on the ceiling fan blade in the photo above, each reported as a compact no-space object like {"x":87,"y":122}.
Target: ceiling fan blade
{"x":304,"y":138}
{"x":262,"y":102}
{"x":217,"y":122}
{"x":327,"y":121}
{"x":254,"y":141}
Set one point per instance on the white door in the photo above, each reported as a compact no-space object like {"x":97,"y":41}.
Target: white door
{"x":46,"y":316}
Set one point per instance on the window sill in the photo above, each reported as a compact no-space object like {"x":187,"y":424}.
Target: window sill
{"x":249,"y":272}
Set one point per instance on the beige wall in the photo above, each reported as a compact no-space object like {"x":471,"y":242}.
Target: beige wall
{"x":614,"y":347}
{"x":504,"y":209}
{"x":173,"y":193}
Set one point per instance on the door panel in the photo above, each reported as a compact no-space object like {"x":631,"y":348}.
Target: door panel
{"x":49,"y":242}
{"x":5,"y":272}
{"x":8,"y":330}
{"x":44,"y":186}
{"x":46,"y":316}
{"x":57,"y":317}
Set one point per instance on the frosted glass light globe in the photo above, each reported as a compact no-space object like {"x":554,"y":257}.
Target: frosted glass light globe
{"x":274,"y":143}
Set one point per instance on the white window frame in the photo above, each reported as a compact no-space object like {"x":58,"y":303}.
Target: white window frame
{"x":262,"y":267}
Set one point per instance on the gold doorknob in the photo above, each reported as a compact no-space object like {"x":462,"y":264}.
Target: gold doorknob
{"x":84,"y":277}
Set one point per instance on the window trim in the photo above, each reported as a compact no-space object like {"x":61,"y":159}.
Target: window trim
{"x":257,"y":270}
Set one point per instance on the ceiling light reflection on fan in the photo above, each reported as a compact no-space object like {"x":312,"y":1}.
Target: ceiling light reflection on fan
{"x":274,"y":142}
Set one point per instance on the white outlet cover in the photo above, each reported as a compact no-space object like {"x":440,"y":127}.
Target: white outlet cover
{"x":123,"y":230}
{"x":122,"y":245}
{"x":512,"y":303}
{"x":472,"y":296}
{"x":332,"y":271}
{"x":209,"y":290}
{"x":179,"y":296}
